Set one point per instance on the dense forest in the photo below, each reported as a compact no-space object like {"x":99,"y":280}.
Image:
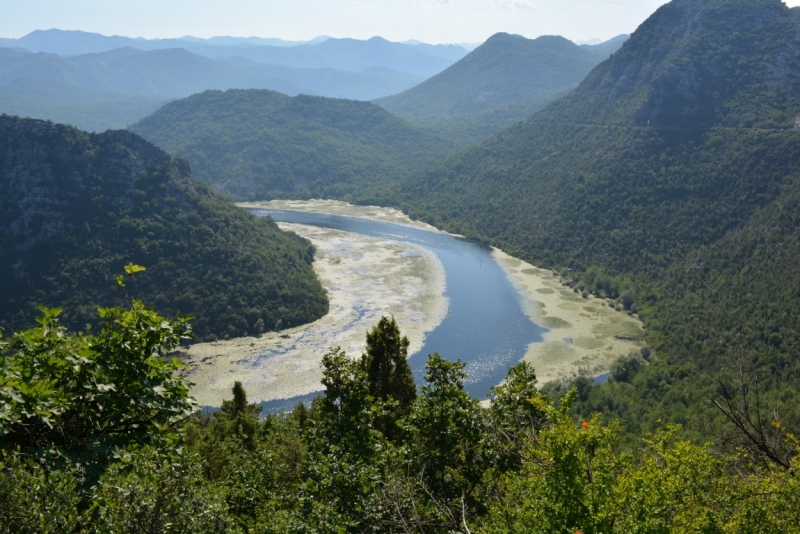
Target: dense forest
{"x":120,"y":453}
{"x":254,"y":144}
{"x":669,"y":177}
{"x":76,"y":207}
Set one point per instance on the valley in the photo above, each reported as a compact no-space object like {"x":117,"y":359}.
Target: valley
{"x":366,"y":277}
{"x":345,"y":285}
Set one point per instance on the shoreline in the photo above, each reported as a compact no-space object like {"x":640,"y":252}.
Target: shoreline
{"x":337,"y":207}
{"x":585,"y":335}
{"x":365,"y":278}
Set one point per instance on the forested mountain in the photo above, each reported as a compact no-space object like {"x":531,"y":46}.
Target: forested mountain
{"x":502,"y":81}
{"x":76,"y":207}
{"x":256,"y":144}
{"x":672,"y":172}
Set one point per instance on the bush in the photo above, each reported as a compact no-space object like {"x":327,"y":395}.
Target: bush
{"x":626,"y":367}
{"x":31,"y":500}
{"x":153,"y":493}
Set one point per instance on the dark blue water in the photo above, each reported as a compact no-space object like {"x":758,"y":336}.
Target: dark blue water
{"x":485,"y":326}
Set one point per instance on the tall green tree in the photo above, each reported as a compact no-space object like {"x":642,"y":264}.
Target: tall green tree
{"x":388,"y":374}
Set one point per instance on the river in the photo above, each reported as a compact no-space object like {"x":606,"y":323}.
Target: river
{"x":485,"y":326}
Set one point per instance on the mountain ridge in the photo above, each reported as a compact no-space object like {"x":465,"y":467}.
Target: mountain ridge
{"x":505,"y":79}
{"x":255,"y":144}
{"x":318,"y":53}
{"x":646,"y":173}
{"x":76,"y":207}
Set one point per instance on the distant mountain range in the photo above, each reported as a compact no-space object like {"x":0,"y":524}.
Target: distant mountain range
{"x":75,"y":43}
{"x":353,"y":55}
{"x":504,"y":80}
{"x":52,"y":74}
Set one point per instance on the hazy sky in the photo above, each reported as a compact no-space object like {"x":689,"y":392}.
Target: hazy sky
{"x":434,"y":21}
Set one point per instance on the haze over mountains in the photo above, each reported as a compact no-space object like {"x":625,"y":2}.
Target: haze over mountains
{"x":129,"y":78}
{"x":136,"y":75}
{"x":504,"y":80}
{"x":74,"y":43}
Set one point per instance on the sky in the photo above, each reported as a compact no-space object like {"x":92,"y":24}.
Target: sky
{"x":431,"y":21}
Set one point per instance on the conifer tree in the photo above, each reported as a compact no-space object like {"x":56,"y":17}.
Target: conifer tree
{"x":388,"y":374}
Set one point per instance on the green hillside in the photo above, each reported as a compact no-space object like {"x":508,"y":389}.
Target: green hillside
{"x":502,"y":81}
{"x":76,"y":207}
{"x":258,"y":144}
{"x":672,"y":170}
{"x":505,"y":69}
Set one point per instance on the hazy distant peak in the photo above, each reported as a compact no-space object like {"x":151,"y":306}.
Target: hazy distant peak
{"x":504,"y":71}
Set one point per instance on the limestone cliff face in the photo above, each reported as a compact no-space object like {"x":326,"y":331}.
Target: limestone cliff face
{"x":76,"y":207}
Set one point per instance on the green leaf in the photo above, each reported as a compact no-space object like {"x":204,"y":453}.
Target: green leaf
{"x":132,"y":269}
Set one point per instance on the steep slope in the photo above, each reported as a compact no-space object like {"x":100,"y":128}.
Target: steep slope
{"x":76,"y":207}
{"x":502,"y":81}
{"x":647,"y":171}
{"x":256,"y":144}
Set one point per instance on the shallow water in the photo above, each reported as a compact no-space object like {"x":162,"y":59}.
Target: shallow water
{"x":485,"y":326}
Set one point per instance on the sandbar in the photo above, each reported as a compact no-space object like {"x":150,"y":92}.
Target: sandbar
{"x":585,"y":334}
{"x":365,"y":278}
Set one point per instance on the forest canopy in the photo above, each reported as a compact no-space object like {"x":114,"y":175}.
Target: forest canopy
{"x":76,"y":207}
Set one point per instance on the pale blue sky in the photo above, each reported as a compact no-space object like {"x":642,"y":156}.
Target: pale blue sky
{"x":434,"y":21}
